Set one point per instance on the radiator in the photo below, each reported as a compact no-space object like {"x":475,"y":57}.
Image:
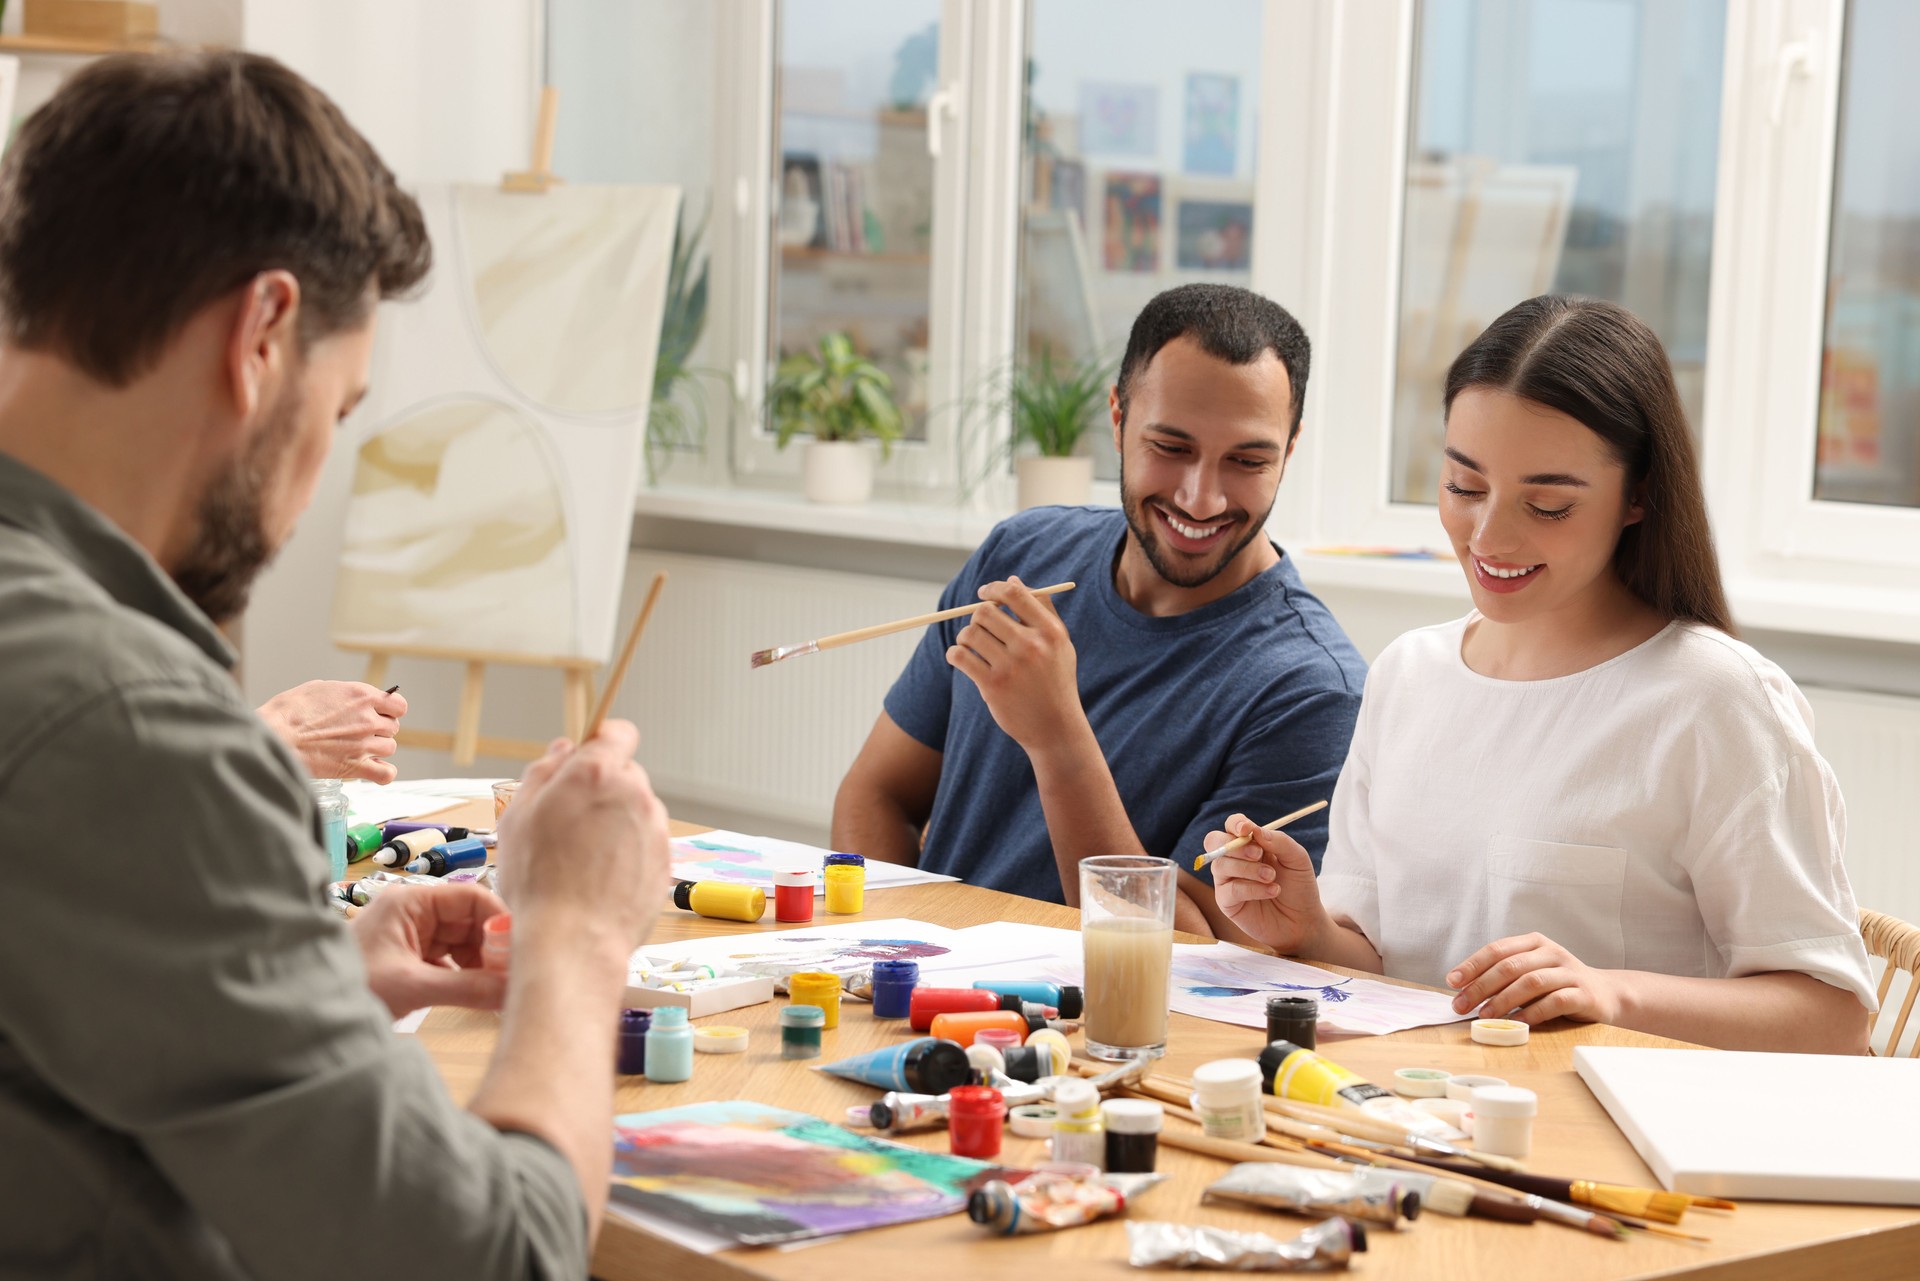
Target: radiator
{"x":771,"y":743}
{"x":1873,"y":743}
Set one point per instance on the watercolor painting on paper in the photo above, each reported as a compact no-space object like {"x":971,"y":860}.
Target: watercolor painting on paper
{"x":742,"y":859}
{"x":762,"y":1175}
{"x":497,"y":458}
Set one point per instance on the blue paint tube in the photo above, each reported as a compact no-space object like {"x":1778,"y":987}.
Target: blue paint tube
{"x":1063,"y":997}
{"x":925,"y":1066}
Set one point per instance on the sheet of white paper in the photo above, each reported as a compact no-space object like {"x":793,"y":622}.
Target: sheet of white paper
{"x":1218,"y":981}
{"x":408,"y":798}
{"x":743,"y":859}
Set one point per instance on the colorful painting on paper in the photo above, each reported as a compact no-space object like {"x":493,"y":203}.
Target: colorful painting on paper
{"x":845,"y":948}
{"x":1213,"y":124}
{"x":762,"y":1175}
{"x":1130,"y":230}
{"x":497,"y":458}
{"x":1229,"y":984}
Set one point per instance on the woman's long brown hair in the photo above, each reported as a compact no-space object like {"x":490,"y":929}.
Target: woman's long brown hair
{"x":1597,"y":363}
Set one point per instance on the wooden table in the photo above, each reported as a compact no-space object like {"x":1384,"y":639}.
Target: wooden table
{"x":1573,"y":1137}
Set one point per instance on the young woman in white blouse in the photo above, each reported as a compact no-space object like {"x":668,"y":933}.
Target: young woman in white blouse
{"x":1585,"y":799}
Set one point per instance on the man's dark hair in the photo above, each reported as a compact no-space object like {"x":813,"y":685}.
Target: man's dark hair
{"x":152,"y":184}
{"x":1231,"y":324}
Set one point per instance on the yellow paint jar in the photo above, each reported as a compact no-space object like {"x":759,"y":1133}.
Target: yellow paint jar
{"x":846,"y":881}
{"x":814,"y":987}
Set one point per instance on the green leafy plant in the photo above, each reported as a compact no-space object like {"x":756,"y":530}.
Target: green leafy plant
{"x":1052,"y":405}
{"x":833,"y":393}
{"x":676,"y":421}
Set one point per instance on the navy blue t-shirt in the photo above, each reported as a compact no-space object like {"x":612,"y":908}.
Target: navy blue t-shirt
{"x":1244,"y":705}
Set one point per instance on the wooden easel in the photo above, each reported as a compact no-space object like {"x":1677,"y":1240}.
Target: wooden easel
{"x":466,"y":741}
{"x":536,"y":180}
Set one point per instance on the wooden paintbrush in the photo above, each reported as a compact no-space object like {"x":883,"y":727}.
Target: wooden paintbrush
{"x":626,"y":657}
{"x":765,"y":656}
{"x":1274,"y":826}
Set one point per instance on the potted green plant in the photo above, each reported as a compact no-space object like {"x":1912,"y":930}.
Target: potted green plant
{"x":839,"y":398}
{"x":1050,"y":406}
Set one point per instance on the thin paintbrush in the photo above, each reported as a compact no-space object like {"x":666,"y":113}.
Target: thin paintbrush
{"x":762,"y":657}
{"x":1274,"y":826}
{"x":626,"y":657}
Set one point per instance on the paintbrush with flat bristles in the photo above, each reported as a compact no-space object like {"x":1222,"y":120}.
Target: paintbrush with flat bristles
{"x":762,"y":657}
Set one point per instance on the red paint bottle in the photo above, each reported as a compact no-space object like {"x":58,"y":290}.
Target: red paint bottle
{"x":976,"y":1114}
{"x":793,"y":896}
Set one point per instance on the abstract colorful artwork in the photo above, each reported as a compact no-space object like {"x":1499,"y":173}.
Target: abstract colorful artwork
{"x":762,"y":1175}
{"x":1119,"y":120}
{"x":1213,"y":235}
{"x":1130,"y":230}
{"x":840,"y":949}
{"x":1229,"y":984}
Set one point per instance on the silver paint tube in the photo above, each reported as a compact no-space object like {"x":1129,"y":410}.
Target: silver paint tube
{"x":1324,"y":1247}
{"x":1320,"y":1194}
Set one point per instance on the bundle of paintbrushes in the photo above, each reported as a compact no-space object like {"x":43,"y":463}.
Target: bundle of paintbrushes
{"x":1469,"y":1183}
{"x":763,"y":657}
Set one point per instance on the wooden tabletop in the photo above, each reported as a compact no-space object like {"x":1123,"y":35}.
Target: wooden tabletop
{"x":1573,"y":1138}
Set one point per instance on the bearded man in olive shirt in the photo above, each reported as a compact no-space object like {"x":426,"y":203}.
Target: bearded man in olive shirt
{"x":197,"y":1072}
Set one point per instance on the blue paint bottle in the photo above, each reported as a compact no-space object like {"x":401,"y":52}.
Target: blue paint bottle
{"x":669,"y":1045}
{"x":893,"y":984}
{"x":631,"y":1057}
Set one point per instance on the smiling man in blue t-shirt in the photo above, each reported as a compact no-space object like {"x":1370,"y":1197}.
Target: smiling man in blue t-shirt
{"x":1189,"y":676}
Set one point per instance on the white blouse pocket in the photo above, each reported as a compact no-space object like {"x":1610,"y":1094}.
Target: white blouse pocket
{"x":1570,"y":893}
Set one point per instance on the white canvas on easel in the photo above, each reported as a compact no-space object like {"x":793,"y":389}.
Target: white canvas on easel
{"x":493,"y":492}
{"x":1770,"y":1127}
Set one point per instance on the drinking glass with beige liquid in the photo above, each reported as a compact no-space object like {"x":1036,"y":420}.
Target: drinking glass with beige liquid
{"x":1126,"y":929}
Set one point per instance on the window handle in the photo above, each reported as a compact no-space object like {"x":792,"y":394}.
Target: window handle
{"x":944,"y":102}
{"x":1795,"y":62}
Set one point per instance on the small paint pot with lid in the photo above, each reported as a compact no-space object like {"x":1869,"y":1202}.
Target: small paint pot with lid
{"x":845,"y":876}
{"x":800,"y":1031}
{"x":1293,"y":1018}
{"x":818,"y":988}
{"x":631,"y":1053}
{"x":1133,"y":1134}
{"x":976,"y":1115}
{"x":893,"y":984}
{"x":1503,"y":1120}
{"x":793,"y":895}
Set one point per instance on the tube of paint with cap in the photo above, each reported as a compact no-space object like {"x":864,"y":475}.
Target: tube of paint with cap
{"x":400,"y":827}
{"x":720,"y":900}
{"x":1290,"y":1072}
{"x":926,"y":1003}
{"x":1324,"y":1247}
{"x":441,"y":859}
{"x":1320,"y":1194}
{"x":899,"y":1112}
{"x":1065,"y":998}
{"x":1042,"y":1202}
{"x":923,"y":1066}
{"x":404,"y":847}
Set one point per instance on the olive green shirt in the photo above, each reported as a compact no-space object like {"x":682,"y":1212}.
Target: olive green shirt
{"x":195,"y":1080}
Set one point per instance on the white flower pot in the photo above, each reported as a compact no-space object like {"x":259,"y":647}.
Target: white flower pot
{"x":1054,"y":482}
{"x":837,"y":471}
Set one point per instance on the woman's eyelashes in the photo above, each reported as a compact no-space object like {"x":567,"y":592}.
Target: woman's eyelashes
{"x":1556,"y":513}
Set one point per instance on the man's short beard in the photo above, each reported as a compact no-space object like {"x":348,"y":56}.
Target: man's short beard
{"x":1164,"y":564}
{"x":230,"y":545}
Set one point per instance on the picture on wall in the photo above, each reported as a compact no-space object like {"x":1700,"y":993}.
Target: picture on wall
{"x":1213,"y":124}
{"x":1130,"y":227}
{"x":800,"y":207}
{"x":1119,"y":120}
{"x":1213,"y":235}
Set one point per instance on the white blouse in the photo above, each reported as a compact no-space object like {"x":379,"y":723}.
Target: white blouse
{"x":1666,"y":810}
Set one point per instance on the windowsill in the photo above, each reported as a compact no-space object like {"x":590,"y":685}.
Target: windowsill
{"x":1810,"y":609}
